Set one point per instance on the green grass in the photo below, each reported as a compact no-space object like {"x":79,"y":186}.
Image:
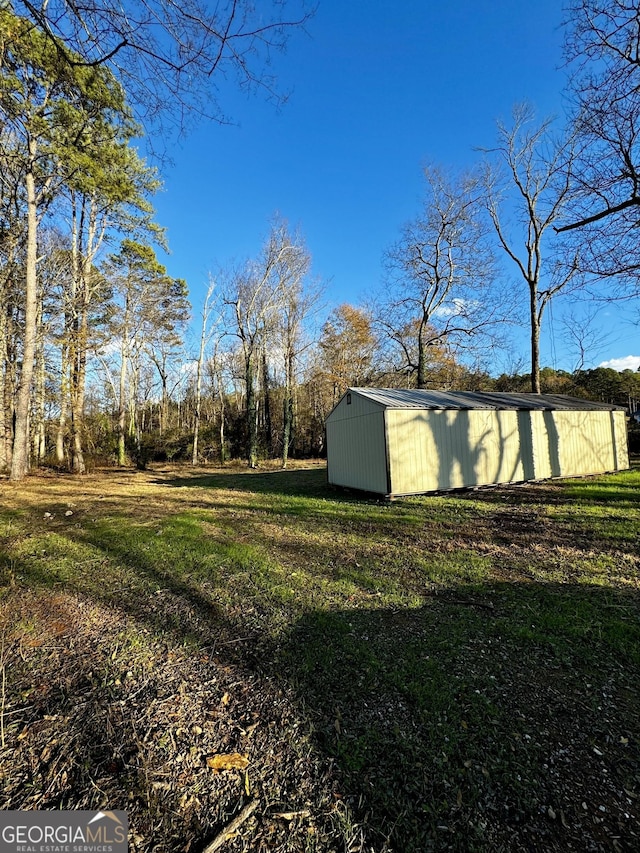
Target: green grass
{"x":439,"y":646}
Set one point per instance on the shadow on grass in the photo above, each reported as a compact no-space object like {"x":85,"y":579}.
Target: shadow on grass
{"x":621,"y":488}
{"x":294,"y":484}
{"x":131,"y":575}
{"x":477,"y":723}
{"x":313,"y":483}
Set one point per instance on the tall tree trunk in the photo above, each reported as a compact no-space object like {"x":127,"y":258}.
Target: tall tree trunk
{"x":8,"y":398}
{"x":287,"y":408}
{"x":83,"y":248}
{"x":163,"y":413}
{"x":39,"y":438}
{"x":133,"y":428}
{"x":67,"y":348}
{"x":266,"y":391}
{"x":422,"y":361}
{"x":61,"y":431}
{"x":79,"y":369}
{"x":79,"y":375}
{"x":196,"y":421}
{"x":20,"y":458}
{"x":287,"y":430}
{"x":198,"y":400}
{"x":223,"y":453}
{"x":122,"y":408}
{"x":536,"y":318}
{"x":252,"y":412}
{"x":5,"y":414}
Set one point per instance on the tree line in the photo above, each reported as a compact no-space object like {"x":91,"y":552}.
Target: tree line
{"x":92,"y":359}
{"x":76,"y":82}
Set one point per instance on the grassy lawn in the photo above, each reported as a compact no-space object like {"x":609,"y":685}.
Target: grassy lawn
{"x":459,"y":672}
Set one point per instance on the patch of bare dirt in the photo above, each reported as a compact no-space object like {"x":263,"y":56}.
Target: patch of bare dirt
{"x":94,"y":714}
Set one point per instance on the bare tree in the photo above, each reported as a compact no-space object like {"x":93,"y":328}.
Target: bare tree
{"x":172,"y":57}
{"x":251,"y":301}
{"x":530,"y":174}
{"x":220,"y":374}
{"x":205,"y":333}
{"x":602,"y":45}
{"x":298,"y":300}
{"x":585,"y":336}
{"x":255,"y":298}
{"x":440,"y":274}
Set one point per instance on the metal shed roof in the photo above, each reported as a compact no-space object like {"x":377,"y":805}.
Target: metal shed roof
{"x":392,"y":398}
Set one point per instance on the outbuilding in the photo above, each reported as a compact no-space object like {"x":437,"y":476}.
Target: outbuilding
{"x":403,"y":442}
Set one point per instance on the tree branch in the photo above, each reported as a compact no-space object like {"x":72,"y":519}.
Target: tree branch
{"x":634,"y":201}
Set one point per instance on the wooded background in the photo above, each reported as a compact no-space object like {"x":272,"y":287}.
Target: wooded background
{"x":94,"y":367}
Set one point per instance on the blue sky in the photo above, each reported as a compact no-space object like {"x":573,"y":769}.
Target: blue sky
{"x":377,"y":89}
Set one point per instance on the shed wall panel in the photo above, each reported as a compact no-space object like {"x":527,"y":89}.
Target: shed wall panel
{"x":568,"y":444}
{"x":496,"y":443}
{"x":437,"y":450}
{"x":621,"y":440}
{"x":544,"y":447}
{"x":356,"y":452}
{"x":413,"y":451}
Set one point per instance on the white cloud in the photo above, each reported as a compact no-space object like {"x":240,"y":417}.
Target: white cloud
{"x":109,"y":348}
{"x":629,"y":362}
{"x":189,"y":368}
{"x":456,"y":308}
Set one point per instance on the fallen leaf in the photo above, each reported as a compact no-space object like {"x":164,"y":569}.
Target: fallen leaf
{"x":45,"y":755}
{"x":292,"y":815}
{"x":228,"y":761}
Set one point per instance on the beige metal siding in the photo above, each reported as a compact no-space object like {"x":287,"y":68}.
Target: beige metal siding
{"x":545,"y":446}
{"x":356,"y":454}
{"x":359,"y":405}
{"x":413,"y":451}
{"x":621,"y":440}
{"x":497,"y":442}
{"x":434,"y":450}
{"x":568,"y":444}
